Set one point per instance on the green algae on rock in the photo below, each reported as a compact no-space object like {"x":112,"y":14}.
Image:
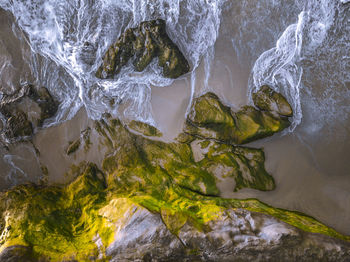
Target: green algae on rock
{"x":189,"y":165}
{"x":144,"y":128}
{"x":209,"y":118}
{"x":143,"y":44}
{"x":85,"y":219}
{"x":166,"y":192}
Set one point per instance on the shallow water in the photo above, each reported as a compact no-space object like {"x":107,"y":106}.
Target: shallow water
{"x":301,"y":48}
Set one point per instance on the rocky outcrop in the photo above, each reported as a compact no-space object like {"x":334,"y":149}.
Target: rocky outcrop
{"x":18,"y":123}
{"x":142,"y":44}
{"x":209,"y":118}
{"x":157,"y":201}
{"x":235,"y":235}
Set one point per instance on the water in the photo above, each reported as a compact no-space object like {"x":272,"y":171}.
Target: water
{"x":301,"y":48}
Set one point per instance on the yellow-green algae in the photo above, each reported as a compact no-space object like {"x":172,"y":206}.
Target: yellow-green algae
{"x":62,"y":223}
{"x":209,"y":118}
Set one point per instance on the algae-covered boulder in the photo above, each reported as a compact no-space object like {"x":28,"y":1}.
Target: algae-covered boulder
{"x":210,"y":118}
{"x":142,"y":44}
{"x":267,"y":99}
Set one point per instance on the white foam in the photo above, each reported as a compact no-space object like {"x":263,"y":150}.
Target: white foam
{"x":59,"y":30}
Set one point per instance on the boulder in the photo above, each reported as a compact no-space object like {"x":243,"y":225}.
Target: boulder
{"x":266,"y":99}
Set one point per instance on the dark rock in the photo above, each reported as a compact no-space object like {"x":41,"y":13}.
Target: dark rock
{"x":142,"y":44}
{"x":17,"y":123}
{"x":73,"y":146}
{"x":267,"y":99}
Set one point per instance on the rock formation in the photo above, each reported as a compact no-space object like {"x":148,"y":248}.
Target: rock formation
{"x":209,"y":118}
{"x":142,"y":44}
{"x":17,"y":123}
{"x":157,"y":201}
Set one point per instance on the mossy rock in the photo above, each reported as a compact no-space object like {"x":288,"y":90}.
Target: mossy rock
{"x":210,"y":118}
{"x":176,"y":182}
{"x":79,"y":221}
{"x":142,"y":156}
{"x":142,"y":44}
{"x":144,"y":128}
{"x":267,"y":99}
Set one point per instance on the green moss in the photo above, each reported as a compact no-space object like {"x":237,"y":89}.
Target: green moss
{"x":144,"y":43}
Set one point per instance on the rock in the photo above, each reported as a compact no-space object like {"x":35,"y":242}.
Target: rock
{"x":156,"y":201}
{"x":144,"y":128}
{"x":267,"y":99}
{"x":17,"y":253}
{"x":209,"y":118}
{"x":48,"y":106}
{"x":18,"y":124}
{"x":236,"y":235}
{"x":197,"y":165}
{"x":143,"y":44}
{"x":73,"y":146}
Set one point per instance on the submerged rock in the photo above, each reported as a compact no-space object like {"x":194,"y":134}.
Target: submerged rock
{"x":18,"y":125}
{"x":73,"y":146}
{"x":209,"y":118}
{"x":18,"y":122}
{"x":142,"y":44}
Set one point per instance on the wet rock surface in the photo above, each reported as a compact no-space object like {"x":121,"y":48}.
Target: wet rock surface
{"x":142,"y":44}
{"x":267,"y":99}
{"x":17,"y":121}
{"x":210,"y":118}
{"x":157,"y":201}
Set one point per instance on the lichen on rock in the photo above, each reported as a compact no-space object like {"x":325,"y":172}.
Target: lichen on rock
{"x":210,"y":118}
{"x":142,"y":44}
